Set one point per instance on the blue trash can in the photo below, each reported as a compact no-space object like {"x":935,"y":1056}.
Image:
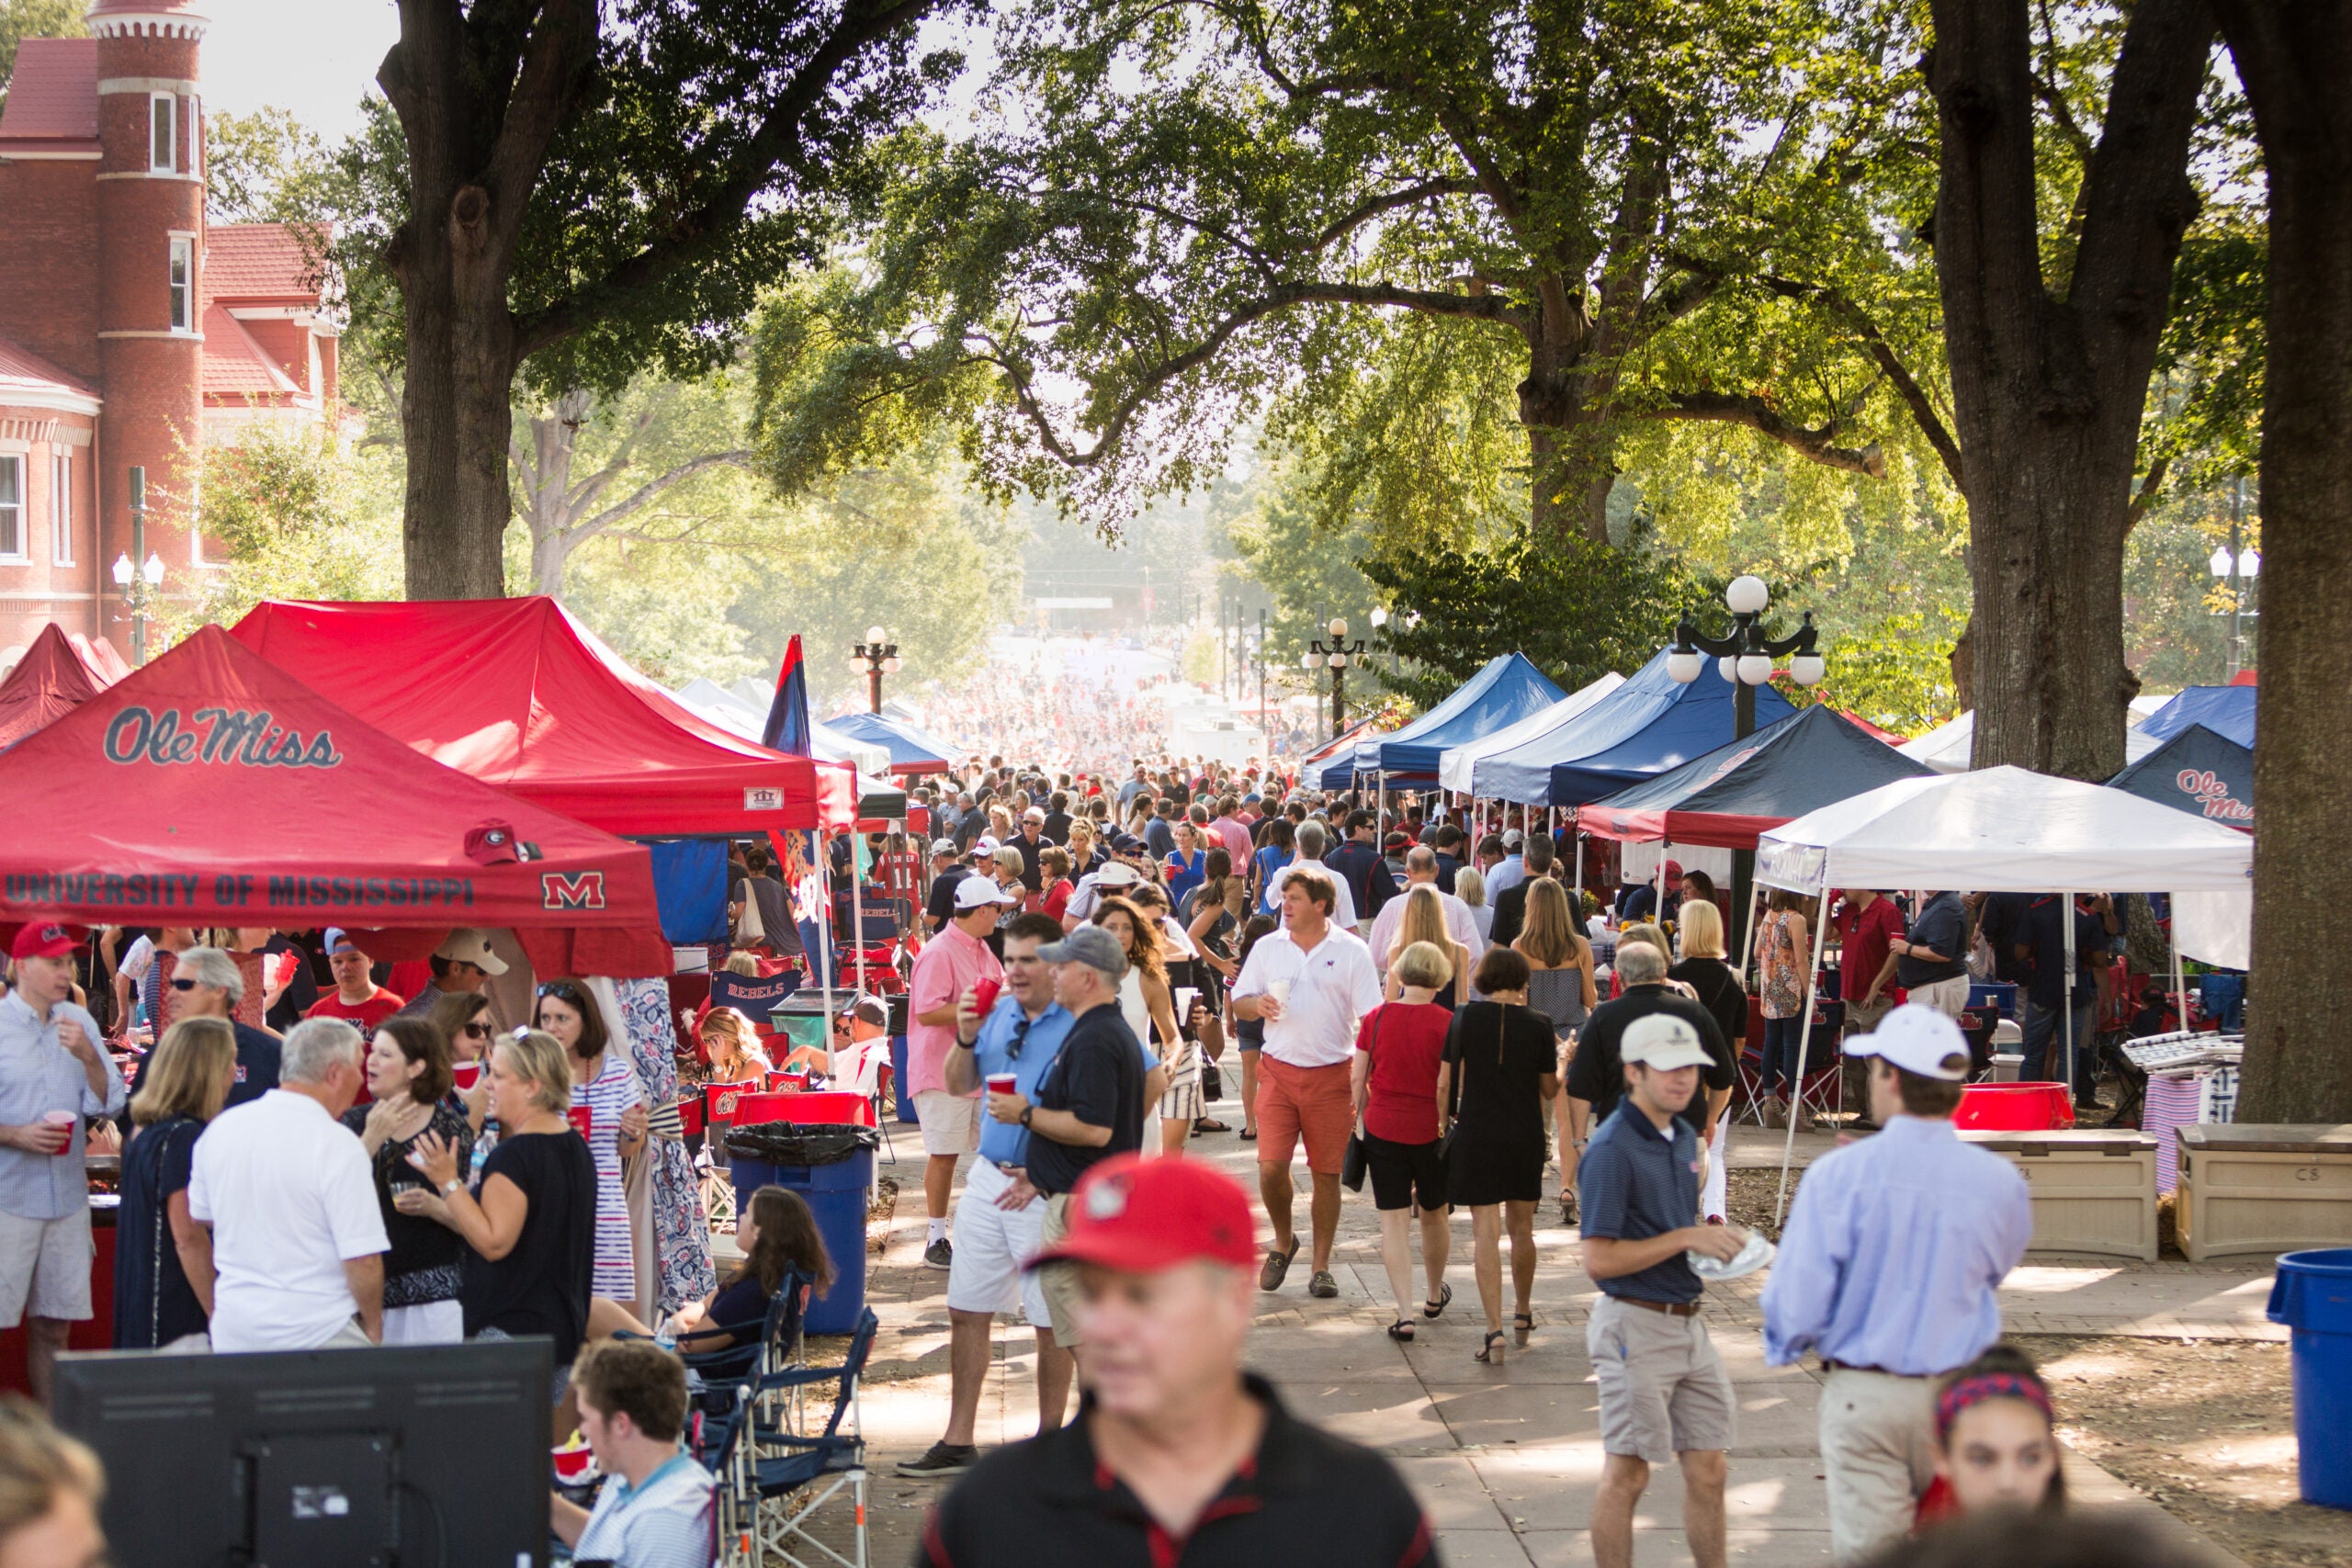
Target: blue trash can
{"x":898,"y":1078}
{"x":2312,"y":1295}
{"x":836,"y":1195}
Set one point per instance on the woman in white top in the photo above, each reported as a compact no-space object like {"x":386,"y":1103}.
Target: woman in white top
{"x":1146,"y":1003}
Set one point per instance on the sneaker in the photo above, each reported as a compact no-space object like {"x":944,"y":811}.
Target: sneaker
{"x":939,"y":1254}
{"x":940,"y":1459}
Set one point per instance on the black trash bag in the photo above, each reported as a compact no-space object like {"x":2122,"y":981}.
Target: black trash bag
{"x":798,"y":1143}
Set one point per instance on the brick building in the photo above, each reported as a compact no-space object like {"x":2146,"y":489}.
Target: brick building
{"x":130,"y":330}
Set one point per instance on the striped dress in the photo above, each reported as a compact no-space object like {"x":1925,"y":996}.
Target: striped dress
{"x":612,"y":1091}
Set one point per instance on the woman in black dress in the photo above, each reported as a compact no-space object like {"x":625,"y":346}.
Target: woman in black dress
{"x":1502,"y":1055}
{"x":409,"y":1074}
{"x":162,"y":1258}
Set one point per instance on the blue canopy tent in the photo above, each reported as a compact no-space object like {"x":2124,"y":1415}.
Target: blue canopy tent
{"x":1505,"y":691}
{"x":911,"y":751}
{"x":2198,"y":772}
{"x":1650,"y":724}
{"x":2227,"y":711}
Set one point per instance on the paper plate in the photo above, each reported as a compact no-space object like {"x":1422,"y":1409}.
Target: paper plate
{"x":1750,"y":1258}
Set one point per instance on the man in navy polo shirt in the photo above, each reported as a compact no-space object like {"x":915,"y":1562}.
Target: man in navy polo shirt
{"x":1664,"y":1392}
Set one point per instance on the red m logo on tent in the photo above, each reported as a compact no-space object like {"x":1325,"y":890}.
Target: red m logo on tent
{"x":571,"y":890}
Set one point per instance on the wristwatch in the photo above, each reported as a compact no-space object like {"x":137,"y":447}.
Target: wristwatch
{"x":1025,"y":1111}
{"x":450,"y":1189}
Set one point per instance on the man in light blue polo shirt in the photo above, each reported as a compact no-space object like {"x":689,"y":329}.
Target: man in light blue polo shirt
{"x":656,"y":1508}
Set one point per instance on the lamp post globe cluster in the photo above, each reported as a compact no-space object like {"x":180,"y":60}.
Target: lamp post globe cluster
{"x":1335,"y":653}
{"x":1746,"y":656}
{"x":878,"y":655}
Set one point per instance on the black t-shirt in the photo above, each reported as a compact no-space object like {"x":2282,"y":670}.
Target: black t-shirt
{"x":420,"y":1246}
{"x":1056,"y":827}
{"x":940,"y":907}
{"x":1942,"y":927}
{"x":540,"y":1287}
{"x":1720,"y":993}
{"x":301,"y":993}
{"x":1598,"y":1073}
{"x":1099,"y":1078}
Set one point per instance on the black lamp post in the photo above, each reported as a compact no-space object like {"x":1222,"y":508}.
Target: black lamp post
{"x":1335,"y":653}
{"x":877,"y":657}
{"x":1744,"y":659}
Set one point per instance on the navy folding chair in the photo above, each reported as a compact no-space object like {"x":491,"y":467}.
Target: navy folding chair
{"x":785,"y":1477}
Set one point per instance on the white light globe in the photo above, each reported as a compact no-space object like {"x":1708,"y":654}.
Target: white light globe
{"x":1748,"y":595}
{"x":1754,"y":669}
{"x":1807,"y":669}
{"x":153,"y":570}
{"x":1311,"y":660}
{"x":1684,"y":667}
{"x":1338,"y":628}
{"x":1379,"y":617}
{"x":123,"y":571}
{"x":874,"y":633}
{"x":890,"y":665}
{"x":2250,"y":563}
{"x":1728,"y":668}
{"x":1338,"y":660}
{"x":2219,"y":564}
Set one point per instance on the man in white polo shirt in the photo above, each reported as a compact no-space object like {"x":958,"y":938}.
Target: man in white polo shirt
{"x":297,"y":1239}
{"x":1309,"y":982}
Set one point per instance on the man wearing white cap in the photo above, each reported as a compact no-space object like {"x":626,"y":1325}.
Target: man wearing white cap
{"x":461,"y":964}
{"x":1888,"y":1271}
{"x":1665,"y":1395}
{"x":1115,"y":876}
{"x":949,"y":964}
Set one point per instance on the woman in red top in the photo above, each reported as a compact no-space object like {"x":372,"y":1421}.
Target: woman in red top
{"x":1398,"y":1049}
{"x":1054,"y":860}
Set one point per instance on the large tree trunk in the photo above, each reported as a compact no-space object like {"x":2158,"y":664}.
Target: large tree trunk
{"x":2295,"y":59}
{"x":2048,"y":391}
{"x":461,"y":376}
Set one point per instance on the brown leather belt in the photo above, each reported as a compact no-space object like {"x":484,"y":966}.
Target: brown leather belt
{"x":1671,"y":1309}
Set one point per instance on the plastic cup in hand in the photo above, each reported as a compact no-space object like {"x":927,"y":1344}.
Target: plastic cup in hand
{"x":466,"y":1073}
{"x":984,"y":995}
{"x":1279,"y":991}
{"x":1002,"y":1083}
{"x":583,"y":1120}
{"x":59,"y":1118}
{"x":1186,"y":997}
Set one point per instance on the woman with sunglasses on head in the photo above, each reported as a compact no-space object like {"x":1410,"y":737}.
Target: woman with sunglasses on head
{"x":730,"y":1043}
{"x":604,"y":1081}
{"x":407,"y":1072}
{"x":463,"y":1021}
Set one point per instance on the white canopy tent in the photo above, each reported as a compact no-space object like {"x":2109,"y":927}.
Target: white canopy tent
{"x":2006,"y":830}
{"x":1454,"y":766}
{"x":1946,"y":747}
{"x":730,"y":712}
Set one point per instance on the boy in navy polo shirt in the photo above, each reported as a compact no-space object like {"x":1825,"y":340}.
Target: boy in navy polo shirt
{"x":1664,"y":1392}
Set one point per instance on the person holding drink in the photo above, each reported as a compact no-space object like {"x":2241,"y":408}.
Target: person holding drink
{"x":408,"y":1073}
{"x":54,"y":1075}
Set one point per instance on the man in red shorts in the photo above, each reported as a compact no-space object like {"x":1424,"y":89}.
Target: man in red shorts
{"x":1309,"y":983}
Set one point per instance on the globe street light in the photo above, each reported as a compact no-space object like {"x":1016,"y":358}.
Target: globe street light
{"x":2236,"y":564}
{"x":1335,"y":651}
{"x":877,"y":657}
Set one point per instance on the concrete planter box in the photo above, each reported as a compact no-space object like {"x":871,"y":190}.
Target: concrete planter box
{"x":2265,"y":1187}
{"x":2093,"y":1191}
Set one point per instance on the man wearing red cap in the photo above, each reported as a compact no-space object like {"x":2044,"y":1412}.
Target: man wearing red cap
{"x":1177,"y":1454}
{"x":53,"y":1076}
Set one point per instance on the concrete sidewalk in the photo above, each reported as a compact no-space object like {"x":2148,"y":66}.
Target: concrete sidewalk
{"x":1505,"y":1458}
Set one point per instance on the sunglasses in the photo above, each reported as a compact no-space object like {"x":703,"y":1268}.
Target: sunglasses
{"x":563,"y":990}
{"x":180,"y":985}
{"x":476,"y":1031}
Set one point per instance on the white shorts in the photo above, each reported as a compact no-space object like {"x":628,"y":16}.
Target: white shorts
{"x":991,"y":1245}
{"x":45,"y":1268}
{"x":435,"y":1322}
{"x":951,"y":1122}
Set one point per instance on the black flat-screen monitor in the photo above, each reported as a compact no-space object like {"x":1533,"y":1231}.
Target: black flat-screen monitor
{"x":407,"y":1457}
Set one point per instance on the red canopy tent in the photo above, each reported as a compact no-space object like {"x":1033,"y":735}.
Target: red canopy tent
{"x":59,"y":672}
{"x":213,"y":789}
{"x":517,"y":694}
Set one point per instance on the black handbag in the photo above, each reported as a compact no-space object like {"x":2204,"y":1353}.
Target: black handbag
{"x":1453,"y":1094}
{"x":1355,"y":1165}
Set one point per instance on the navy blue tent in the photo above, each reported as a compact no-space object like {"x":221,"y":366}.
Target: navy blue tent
{"x":912,"y":751}
{"x":1650,"y":724}
{"x":2198,"y":772}
{"x":2227,"y":711}
{"x":1734,"y":793}
{"x":1505,"y":691}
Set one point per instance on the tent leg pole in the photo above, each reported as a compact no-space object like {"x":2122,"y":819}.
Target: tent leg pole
{"x":1657,"y":911}
{"x":1580,"y":854}
{"x":2179,"y":980}
{"x":1805,"y":1039}
{"x":2066,"y":998}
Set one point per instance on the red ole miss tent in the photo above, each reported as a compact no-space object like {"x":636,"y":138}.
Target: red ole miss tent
{"x":517,"y":694}
{"x":213,"y":789}
{"x":58,"y":673}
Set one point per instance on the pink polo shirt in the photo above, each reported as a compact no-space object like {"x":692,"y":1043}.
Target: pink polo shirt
{"x":1236,"y":837}
{"x":948,"y":963}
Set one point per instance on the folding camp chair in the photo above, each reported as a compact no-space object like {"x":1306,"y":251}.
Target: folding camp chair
{"x":783,"y":1477}
{"x":775,"y":1349}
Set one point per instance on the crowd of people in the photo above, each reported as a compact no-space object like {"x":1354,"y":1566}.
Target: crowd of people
{"x":317,"y":1155}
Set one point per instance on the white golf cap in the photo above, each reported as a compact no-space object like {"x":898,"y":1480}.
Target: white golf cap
{"x":1662,"y":1041}
{"x":1117,"y":874}
{"x":1919,"y":1040}
{"x":469,"y":946}
{"x":973,"y":892}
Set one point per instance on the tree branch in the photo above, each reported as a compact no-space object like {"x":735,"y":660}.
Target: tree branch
{"x":645,"y":494}
{"x":556,"y":60}
{"x":1753,"y":414}
{"x":2151,"y":487}
{"x":1348,"y":223}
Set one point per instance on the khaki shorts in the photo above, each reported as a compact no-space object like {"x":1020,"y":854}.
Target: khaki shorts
{"x":1315,"y":1105}
{"x":1663,"y":1387}
{"x":1060,"y":1279}
{"x":45,"y":1268}
{"x":951,"y":1122}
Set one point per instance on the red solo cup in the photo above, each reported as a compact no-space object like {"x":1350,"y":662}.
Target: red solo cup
{"x":571,"y":1464}
{"x":1002,"y":1083}
{"x":984,"y":995}
{"x":583,"y":1120}
{"x":60,"y":1118}
{"x":466,"y":1073}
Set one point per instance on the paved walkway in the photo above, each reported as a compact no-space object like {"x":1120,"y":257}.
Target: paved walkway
{"x":1505,"y":1458}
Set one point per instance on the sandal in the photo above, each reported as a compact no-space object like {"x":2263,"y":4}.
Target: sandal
{"x":1567,"y":1208}
{"x":1522,"y":1323}
{"x":1207,"y":1125}
{"x":1444,"y":1299}
{"x":1269,"y":1277}
{"x":1249,"y":1134}
{"x":1401,"y":1331}
{"x":1492,"y":1351}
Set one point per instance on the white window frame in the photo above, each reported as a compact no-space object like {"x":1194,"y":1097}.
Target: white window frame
{"x":163,"y":116}
{"x":179,"y":281}
{"x":61,"y":506}
{"x":13,"y":464}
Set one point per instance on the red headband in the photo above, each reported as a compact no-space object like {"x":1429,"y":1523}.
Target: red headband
{"x":1989,"y":1385}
